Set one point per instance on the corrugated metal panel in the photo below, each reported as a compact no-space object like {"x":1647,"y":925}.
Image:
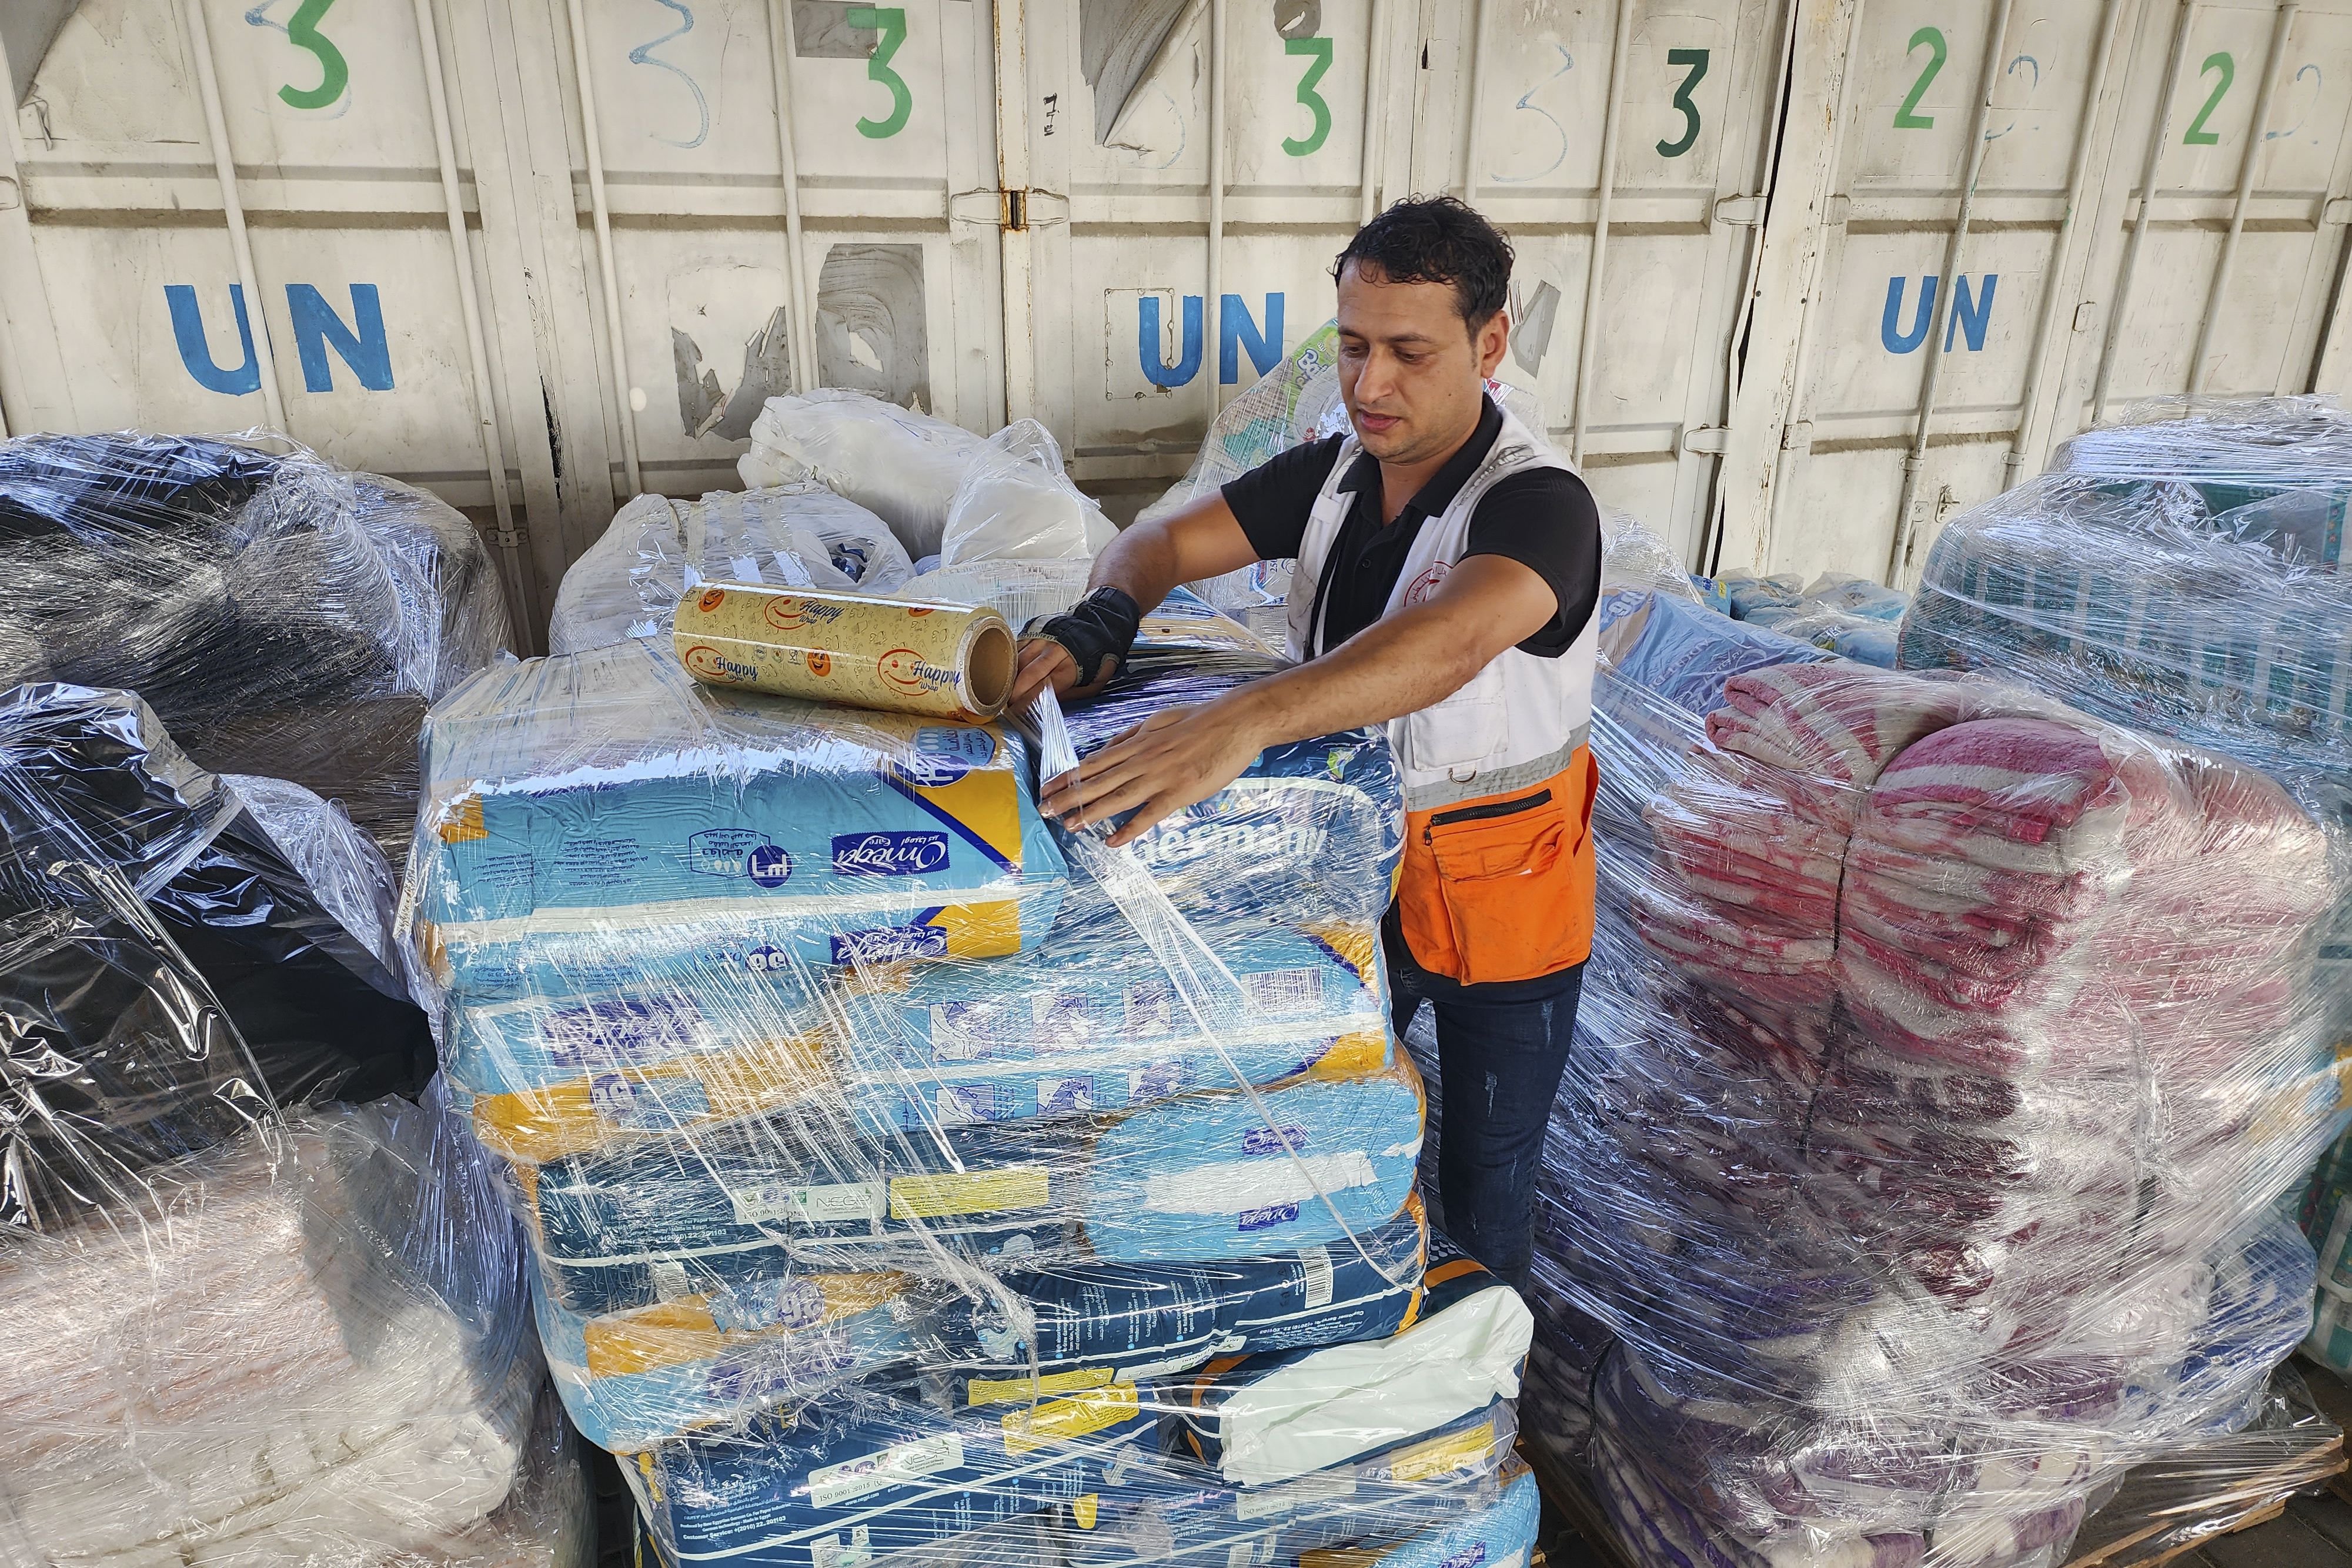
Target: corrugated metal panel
{"x":1939,"y":361}
{"x":1112,"y":213}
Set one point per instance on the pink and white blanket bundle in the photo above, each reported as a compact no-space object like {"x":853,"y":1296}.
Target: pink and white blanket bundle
{"x":2052,"y":969}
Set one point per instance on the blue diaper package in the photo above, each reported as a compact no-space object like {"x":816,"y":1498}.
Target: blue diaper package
{"x":1236,"y":1174}
{"x":864,"y":1472}
{"x":1089,"y":1023}
{"x":597,"y":819}
{"x":632,"y":1379}
{"x":1091,"y":1321}
{"x":1310,"y":832}
{"x":1197,"y":1178}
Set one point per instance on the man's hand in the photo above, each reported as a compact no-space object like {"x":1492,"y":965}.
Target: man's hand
{"x":1174,"y":759}
{"x":1045,"y":663}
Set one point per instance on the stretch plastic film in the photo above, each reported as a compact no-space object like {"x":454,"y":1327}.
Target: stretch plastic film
{"x":910,"y":1179}
{"x":943,"y":661}
{"x":285,"y":617}
{"x":1945,"y":1051}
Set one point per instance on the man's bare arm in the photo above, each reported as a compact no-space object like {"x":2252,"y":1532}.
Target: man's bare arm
{"x":1146,"y":562}
{"x":1399,"y":664}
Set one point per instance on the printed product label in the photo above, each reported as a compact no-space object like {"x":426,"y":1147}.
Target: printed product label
{"x":1468,"y":1557}
{"x":898,"y":853}
{"x":647,"y":1105}
{"x":1306,"y":1491}
{"x":1274,"y":1140}
{"x":906,"y":672}
{"x":1060,"y":1419}
{"x":835,"y":1485}
{"x":1065,"y":1096}
{"x":768,"y":1304}
{"x":969,"y":1192}
{"x":855,"y":1551}
{"x":1316,"y":1261}
{"x":724,"y":852}
{"x":668,"y":1278}
{"x":968,"y":1105}
{"x":768,"y":866}
{"x":1454,"y":1451}
{"x":776,"y":1203}
{"x":1150,"y":1011}
{"x":889,"y":944}
{"x":944,"y":755}
{"x":622,"y":1028}
{"x":1008,"y":1390}
{"x":767,"y":959}
{"x":1262,"y":1218}
{"x":1254,"y":1552}
{"x":767,"y":1373}
{"x":1161,"y":1079}
{"x":1281,"y":992}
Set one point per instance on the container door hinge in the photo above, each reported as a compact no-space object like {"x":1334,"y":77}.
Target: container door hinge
{"x":1706,"y":438}
{"x":1011,"y":211}
{"x":1745,"y":212}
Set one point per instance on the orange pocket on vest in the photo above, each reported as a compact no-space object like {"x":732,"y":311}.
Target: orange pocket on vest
{"x":1516,"y":894}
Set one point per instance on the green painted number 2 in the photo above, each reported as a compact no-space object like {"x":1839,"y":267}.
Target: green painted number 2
{"x":2197,"y":135}
{"x":1907,"y":117}
{"x":335,"y":76}
{"x":1697,"y":60}
{"x":889,"y":23}
{"x":1318,"y":51}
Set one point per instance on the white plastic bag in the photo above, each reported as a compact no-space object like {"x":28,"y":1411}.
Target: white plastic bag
{"x":1016,"y":504}
{"x":904,"y":466}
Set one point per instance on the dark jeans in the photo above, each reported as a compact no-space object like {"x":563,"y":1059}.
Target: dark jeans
{"x":1500,"y":1051}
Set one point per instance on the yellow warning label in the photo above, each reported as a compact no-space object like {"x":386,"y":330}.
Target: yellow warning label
{"x":969,"y":1192}
{"x":1059,"y":1420}
{"x":1007,"y":1390}
{"x":1439,"y":1455}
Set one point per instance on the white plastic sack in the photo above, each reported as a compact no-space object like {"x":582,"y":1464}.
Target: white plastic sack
{"x":1016,"y":504}
{"x":799,"y":535}
{"x":906,"y":467}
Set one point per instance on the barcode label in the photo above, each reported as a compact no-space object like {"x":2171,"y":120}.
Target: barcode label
{"x":1317,"y":1262}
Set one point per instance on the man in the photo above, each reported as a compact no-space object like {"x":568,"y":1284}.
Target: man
{"x":1448,"y":567}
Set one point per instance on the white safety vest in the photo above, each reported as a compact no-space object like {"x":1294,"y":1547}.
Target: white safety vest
{"x":1520,"y":719}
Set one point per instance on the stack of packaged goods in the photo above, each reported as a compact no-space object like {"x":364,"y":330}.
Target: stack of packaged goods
{"x":1945,"y":1051}
{"x":240,"y":1334}
{"x":907,"y":1174}
{"x":283,"y":616}
{"x":2181,"y":574}
{"x":1851,"y":616}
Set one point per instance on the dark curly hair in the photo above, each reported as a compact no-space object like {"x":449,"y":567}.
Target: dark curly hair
{"x":1437,"y":239}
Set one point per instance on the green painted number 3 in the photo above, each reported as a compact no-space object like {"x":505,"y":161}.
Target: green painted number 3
{"x":1907,"y":117}
{"x":2197,"y":135}
{"x":333,"y":74}
{"x":1318,"y":51}
{"x":1697,"y":60}
{"x":890,"y":22}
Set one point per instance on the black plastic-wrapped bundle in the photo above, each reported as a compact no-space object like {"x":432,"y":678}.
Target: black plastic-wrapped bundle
{"x":280,"y":906}
{"x":284,"y":617}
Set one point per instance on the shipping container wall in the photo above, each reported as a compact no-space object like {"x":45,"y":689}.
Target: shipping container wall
{"x":1797,"y":278}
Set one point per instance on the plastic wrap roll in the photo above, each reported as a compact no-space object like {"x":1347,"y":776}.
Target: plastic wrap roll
{"x":942,"y":661}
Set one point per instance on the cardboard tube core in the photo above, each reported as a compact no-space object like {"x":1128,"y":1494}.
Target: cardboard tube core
{"x":992,"y":668}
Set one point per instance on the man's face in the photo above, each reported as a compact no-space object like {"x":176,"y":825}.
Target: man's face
{"x":1410,"y":371}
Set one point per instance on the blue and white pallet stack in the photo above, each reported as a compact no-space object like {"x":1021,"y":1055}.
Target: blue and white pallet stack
{"x":891,"y":1195}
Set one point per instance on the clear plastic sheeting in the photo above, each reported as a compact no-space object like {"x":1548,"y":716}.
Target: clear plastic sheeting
{"x":2179,"y":575}
{"x":1017,"y":504}
{"x":799,"y":535}
{"x":267,"y":892}
{"x":283,"y":616}
{"x":1943,"y":1056}
{"x":911,"y":1180}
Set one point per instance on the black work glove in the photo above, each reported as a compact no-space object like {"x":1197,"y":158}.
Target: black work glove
{"x":1100,"y":627}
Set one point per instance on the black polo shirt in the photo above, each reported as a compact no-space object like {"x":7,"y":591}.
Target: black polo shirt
{"x":1545,"y":520}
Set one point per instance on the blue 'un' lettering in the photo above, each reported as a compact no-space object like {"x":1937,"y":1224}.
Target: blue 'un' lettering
{"x":317,"y":328}
{"x":1971,"y":313}
{"x":188,"y":332}
{"x":363,"y":345}
{"x":1235,"y":332}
